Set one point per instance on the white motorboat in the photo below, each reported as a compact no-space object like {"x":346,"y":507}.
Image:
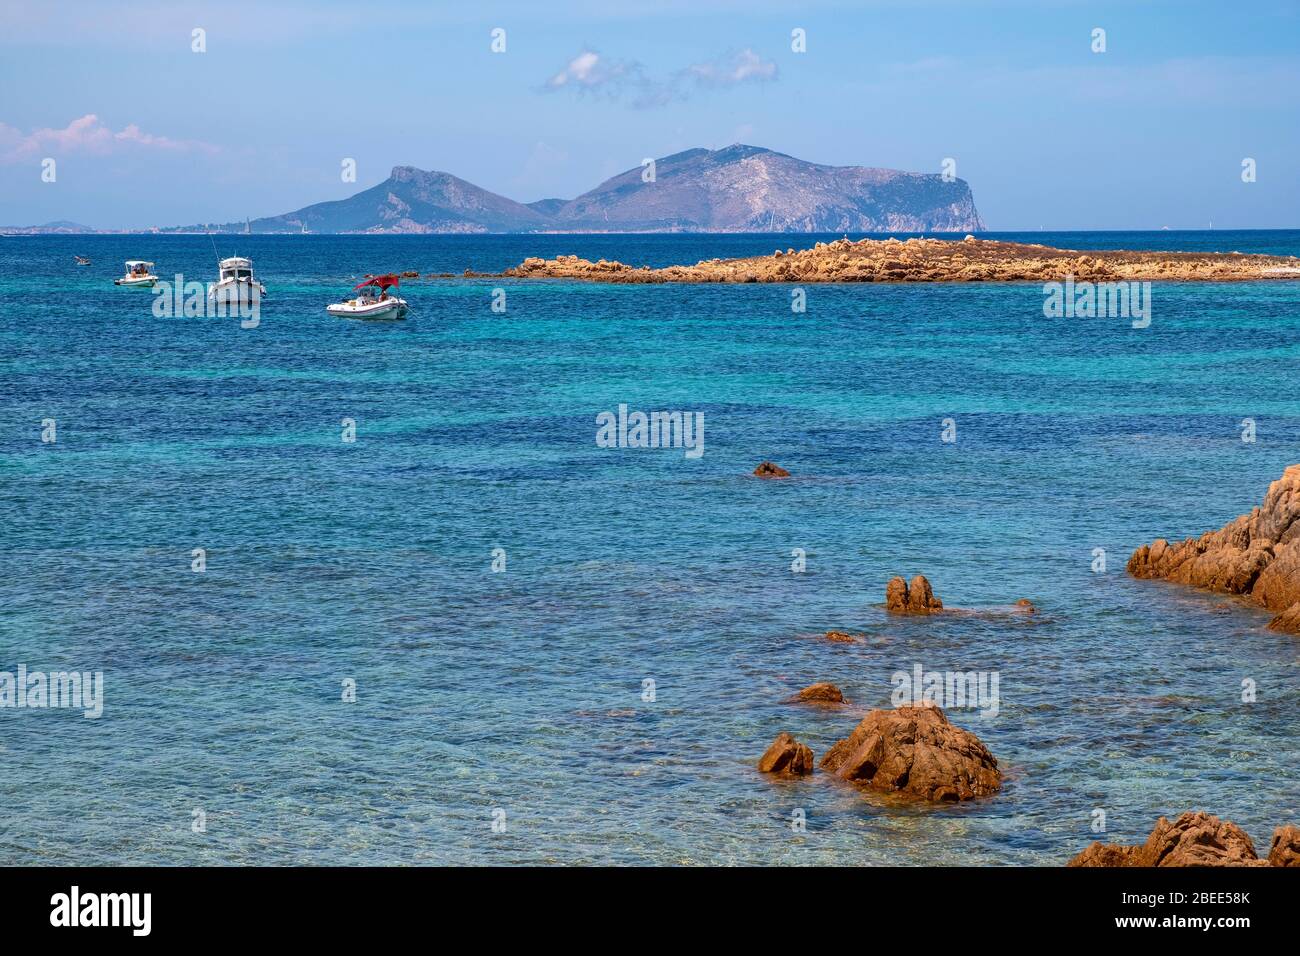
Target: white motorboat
{"x":138,"y":273}
{"x":372,"y":301}
{"x":236,"y":283}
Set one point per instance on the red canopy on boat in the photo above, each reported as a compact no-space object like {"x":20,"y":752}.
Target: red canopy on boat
{"x":382,"y":281}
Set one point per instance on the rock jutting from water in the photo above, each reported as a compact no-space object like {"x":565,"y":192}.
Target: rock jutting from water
{"x":1256,"y":555}
{"x":930,"y":260}
{"x":786,"y":756}
{"x":770,"y":469}
{"x":1195,"y":839}
{"x":823,"y":692}
{"x":915,"y":598}
{"x":915,"y":752}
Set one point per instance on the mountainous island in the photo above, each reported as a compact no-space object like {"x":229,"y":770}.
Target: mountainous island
{"x":736,"y":189}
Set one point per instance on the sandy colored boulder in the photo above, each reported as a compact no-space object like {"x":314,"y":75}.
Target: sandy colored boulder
{"x":1256,"y":555}
{"x":915,"y":598}
{"x":1194,"y":839}
{"x":819,"y":693}
{"x":787,"y":756}
{"x":1285,"y":849}
{"x":1026,"y":606}
{"x":768,"y":469}
{"x":916,"y":752}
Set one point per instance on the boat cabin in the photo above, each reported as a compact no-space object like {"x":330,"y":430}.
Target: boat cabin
{"x":236,"y":269}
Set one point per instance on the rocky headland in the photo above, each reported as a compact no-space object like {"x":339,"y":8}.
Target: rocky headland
{"x":929,"y":260}
{"x":1256,"y":555}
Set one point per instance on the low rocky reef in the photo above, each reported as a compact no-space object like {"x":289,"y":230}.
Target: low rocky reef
{"x":929,"y":260}
{"x":1256,"y":556}
{"x":914,"y":752}
{"x":1195,"y":839}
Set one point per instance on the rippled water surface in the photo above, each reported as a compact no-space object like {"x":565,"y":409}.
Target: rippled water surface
{"x":522,"y":691}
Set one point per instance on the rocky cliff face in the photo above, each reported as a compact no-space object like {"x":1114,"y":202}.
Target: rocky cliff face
{"x":749,"y":189}
{"x":737,"y":189}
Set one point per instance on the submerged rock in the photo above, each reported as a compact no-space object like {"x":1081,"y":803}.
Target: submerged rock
{"x":768,"y":469}
{"x":1194,"y":839}
{"x":843,"y":637}
{"x":916,"y":752}
{"x":820,"y":693}
{"x":787,"y":756}
{"x":915,"y":598}
{"x":1256,"y":555}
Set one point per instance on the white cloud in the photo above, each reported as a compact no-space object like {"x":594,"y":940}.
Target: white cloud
{"x":590,"y":72}
{"x":743,"y":67}
{"x":87,"y":134}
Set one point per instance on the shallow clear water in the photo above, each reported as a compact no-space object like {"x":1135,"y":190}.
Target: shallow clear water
{"x":522,"y":690}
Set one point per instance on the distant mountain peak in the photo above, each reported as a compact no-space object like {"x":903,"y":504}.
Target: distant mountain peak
{"x":736,"y":188}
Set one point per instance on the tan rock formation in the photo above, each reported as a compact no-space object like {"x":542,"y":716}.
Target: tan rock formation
{"x":1194,"y":839}
{"x":819,"y":693}
{"x":786,"y":756}
{"x":1256,"y":555}
{"x":768,"y":469}
{"x":916,"y":752}
{"x":915,"y":598}
{"x":1285,"y":849}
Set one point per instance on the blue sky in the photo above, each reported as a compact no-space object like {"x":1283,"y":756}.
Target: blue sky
{"x":1150,"y":133}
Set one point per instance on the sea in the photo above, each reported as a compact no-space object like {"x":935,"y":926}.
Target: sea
{"x":373,"y":593}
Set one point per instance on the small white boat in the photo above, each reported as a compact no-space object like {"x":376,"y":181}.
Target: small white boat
{"x":138,"y":273}
{"x":236,"y":283}
{"x":82,"y":260}
{"x":372,"y":301}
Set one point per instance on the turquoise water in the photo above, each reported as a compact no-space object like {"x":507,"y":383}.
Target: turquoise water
{"x":522,"y":690}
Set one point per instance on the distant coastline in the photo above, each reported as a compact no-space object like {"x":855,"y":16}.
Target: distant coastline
{"x":736,"y":189}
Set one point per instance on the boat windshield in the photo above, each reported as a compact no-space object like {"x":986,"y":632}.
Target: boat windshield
{"x":236,"y":273}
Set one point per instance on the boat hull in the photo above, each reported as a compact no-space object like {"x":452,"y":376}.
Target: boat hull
{"x":236,"y":292}
{"x":136,"y":283}
{"x":391,"y":309}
